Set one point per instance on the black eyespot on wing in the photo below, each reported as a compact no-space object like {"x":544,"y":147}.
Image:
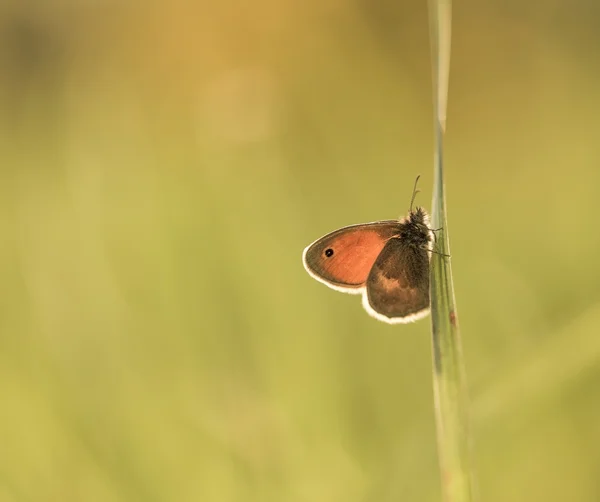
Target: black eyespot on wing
{"x":329,"y":252}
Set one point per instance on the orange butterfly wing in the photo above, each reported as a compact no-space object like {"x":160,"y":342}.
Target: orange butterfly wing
{"x":343,"y":259}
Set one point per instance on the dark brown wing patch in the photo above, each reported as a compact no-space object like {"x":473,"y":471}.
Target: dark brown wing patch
{"x":398,"y":284}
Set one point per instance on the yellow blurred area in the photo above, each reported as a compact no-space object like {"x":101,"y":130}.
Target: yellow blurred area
{"x":162,"y":166}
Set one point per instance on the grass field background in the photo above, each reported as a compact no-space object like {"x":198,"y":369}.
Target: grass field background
{"x":162,"y":166}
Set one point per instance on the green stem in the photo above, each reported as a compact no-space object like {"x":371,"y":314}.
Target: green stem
{"x":449,"y":381}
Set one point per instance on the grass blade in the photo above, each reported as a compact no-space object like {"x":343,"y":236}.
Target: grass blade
{"x":449,"y":381}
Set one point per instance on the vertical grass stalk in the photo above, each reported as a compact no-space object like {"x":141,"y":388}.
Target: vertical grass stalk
{"x":449,"y":382}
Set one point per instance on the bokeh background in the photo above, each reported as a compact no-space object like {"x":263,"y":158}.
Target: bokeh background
{"x":162,"y":166}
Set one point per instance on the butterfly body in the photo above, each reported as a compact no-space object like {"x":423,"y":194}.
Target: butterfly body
{"x":385,"y":261}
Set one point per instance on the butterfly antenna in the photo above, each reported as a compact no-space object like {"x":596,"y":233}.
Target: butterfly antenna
{"x":415,"y":192}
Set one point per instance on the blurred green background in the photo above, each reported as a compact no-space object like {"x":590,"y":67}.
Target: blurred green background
{"x":162,"y":166}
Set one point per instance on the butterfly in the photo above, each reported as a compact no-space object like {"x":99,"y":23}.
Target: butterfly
{"x":387,"y":262}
